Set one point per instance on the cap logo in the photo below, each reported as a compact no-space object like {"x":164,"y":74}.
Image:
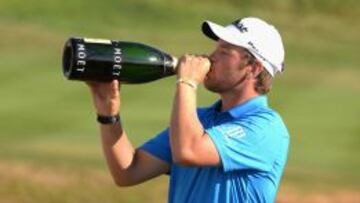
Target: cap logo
{"x":253,"y":46}
{"x":240,"y":26}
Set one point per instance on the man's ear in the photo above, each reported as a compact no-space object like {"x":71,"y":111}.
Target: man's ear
{"x":256,"y":69}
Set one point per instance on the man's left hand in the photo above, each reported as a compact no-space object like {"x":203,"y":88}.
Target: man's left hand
{"x":193,"y":68}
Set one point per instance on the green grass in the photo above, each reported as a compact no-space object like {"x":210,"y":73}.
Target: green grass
{"x":47,"y":123}
{"x":322,"y":114}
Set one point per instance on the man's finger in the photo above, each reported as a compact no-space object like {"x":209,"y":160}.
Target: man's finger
{"x":207,"y":62}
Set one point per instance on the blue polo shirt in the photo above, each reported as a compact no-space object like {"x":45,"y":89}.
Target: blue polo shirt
{"x":252,"y":142}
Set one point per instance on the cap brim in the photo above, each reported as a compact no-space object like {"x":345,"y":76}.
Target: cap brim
{"x":208,"y":29}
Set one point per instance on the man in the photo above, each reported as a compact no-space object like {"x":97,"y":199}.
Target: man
{"x":232,"y":151}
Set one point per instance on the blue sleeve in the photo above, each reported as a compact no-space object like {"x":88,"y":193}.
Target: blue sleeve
{"x":249,"y":144}
{"x":159,"y":146}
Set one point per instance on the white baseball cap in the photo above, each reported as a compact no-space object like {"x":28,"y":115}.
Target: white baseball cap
{"x":257,"y":36}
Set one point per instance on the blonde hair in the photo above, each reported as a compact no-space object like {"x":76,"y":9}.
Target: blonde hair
{"x":263,"y":80}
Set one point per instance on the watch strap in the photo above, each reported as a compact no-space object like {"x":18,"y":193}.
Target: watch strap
{"x":108,"y":119}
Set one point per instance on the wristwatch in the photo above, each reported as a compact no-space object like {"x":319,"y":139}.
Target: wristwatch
{"x":106,"y":120}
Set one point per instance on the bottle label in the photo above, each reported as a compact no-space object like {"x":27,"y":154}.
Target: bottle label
{"x":98,"y":41}
{"x":117,"y":61}
{"x":81,"y":58}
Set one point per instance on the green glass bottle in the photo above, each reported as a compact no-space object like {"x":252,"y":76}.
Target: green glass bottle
{"x":105,"y":60}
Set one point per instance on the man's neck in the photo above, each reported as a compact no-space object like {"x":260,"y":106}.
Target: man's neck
{"x":230,"y":100}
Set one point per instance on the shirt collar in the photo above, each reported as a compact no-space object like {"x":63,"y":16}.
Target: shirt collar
{"x":246,"y":107}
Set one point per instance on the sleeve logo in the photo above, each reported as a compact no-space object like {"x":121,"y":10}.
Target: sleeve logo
{"x":233,"y":131}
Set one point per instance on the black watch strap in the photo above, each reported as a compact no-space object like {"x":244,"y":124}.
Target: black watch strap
{"x":108,"y":119}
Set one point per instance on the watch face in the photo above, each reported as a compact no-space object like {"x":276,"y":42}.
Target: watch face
{"x":113,"y":119}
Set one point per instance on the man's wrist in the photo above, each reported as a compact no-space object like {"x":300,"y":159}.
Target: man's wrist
{"x":108,"y":119}
{"x":187,"y":82}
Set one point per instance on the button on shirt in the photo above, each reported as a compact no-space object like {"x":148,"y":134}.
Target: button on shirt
{"x":252,"y":142}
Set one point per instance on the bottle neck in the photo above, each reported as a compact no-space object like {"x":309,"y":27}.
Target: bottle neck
{"x":171,"y":63}
{"x":174,"y":63}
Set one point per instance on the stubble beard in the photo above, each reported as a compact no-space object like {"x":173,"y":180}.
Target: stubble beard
{"x":213,"y":85}
{"x":221,"y":86}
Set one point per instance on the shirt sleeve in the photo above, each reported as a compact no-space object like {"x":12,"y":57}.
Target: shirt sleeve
{"x":245,"y":144}
{"x":159,"y":146}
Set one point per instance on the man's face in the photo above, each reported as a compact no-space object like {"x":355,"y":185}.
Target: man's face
{"x":227,"y":68}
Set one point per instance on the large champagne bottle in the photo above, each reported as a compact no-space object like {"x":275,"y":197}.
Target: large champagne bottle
{"x":105,"y":60}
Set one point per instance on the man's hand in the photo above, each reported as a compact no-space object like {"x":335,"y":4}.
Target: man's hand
{"x":193,"y":68}
{"x":106,"y":97}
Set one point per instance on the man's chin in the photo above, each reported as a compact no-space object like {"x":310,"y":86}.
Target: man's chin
{"x":211,"y":87}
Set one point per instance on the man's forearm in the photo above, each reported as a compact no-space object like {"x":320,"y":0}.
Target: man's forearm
{"x":127,"y":165}
{"x":118,"y":151}
{"x":185,"y":128}
{"x":190,"y":145}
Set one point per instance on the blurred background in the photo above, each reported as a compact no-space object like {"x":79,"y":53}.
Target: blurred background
{"x":49,"y":144}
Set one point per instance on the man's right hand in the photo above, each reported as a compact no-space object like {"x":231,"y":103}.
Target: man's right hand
{"x":106,"y":97}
